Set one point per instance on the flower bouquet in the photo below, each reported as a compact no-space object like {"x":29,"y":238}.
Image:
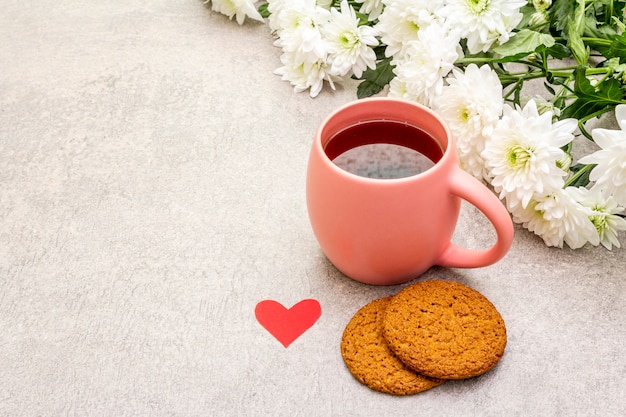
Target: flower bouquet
{"x":469,"y":60}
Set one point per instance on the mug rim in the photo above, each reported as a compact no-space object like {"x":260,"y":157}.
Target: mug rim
{"x":447,"y":149}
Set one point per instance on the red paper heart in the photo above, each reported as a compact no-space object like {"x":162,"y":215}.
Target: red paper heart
{"x":287,"y":325}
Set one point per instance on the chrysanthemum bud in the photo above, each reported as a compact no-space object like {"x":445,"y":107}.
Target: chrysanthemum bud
{"x":542,"y":5}
{"x":539,"y":18}
{"x":565,"y":162}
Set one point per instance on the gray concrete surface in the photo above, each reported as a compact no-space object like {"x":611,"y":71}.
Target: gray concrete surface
{"x":152,"y":174}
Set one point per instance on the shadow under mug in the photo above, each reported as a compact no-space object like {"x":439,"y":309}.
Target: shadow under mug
{"x":389,"y":231}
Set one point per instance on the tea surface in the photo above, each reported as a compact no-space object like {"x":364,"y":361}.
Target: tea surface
{"x":383,"y":149}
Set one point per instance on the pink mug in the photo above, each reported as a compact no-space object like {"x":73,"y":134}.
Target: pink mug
{"x":389,"y":231}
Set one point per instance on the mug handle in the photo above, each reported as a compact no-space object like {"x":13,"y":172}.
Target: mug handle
{"x":472,"y":190}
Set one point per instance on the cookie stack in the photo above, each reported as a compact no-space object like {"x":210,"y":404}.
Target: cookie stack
{"x":428,"y":333}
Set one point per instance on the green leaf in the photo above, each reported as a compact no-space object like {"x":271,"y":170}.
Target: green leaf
{"x":568,"y":18}
{"x":604,"y":11}
{"x":598,"y":19}
{"x":362,"y":18}
{"x":591,"y":99}
{"x":524,"y":41}
{"x":263,"y":10}
{"x":619,"y":25}
{"x":374,"y":80}
{"x":561,"y":12}
{"x":380,"y":51}
{"x":575,"y":31}
{"x":592,"y":29}
{"x":579,"y":49}
{"x":556,"y":51}
{"x":617,"y":48}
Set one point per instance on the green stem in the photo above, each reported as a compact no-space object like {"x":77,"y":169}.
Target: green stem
{"x":582,"y":121}
{"x":578,"y":174}
{"x":586,"y":39}
{"x":512,"y":90}
{"x":473,"y":60}
{"x":512,"y":77}
{"x":509,"y":78}
{"x":597,"y":41}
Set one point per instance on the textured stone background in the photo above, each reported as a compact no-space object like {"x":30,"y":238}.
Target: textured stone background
{"x":152,"y":192}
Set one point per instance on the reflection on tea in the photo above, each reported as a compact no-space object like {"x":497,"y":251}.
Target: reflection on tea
{"x":383,"y":149}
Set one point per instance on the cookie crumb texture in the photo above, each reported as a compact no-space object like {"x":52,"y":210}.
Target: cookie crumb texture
{"x":369,"y":359}
{"x":444,"y":330}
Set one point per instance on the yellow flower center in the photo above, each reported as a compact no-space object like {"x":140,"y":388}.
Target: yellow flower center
{"x":465,"y":114}
{"x":599,"y":221}
{"x":410,"y":25}
{"x":519,"y":156}
{"x":348,"y":40}
{"x":478,"y":6}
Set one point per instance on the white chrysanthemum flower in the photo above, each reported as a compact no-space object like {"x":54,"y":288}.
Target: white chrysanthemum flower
{"x":275,"y":7}
{"x":483,"y":22}
{"x":471,"y":104}
{"x":603,"y":214}
{"x":240,"y":9}
{"x":298,"y":29}
{"x":372,"y":8}
{"x":476,"y":43}
{"x":522,"y":154}
{"x":426,"y":61}
{"x":349,"y":45}
{"x":398,"y":89}
{"x":304,"y":75}
{"x":557,"y":218}
{"x":401,"y":20}
{"x":610,"y":172}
